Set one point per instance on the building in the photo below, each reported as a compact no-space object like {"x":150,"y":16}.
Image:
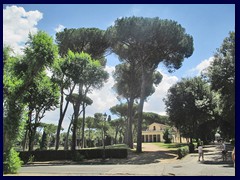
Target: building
{"x":155,"y":131}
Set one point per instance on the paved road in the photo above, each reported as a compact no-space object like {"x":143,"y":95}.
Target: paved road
{"x":188,"y":166}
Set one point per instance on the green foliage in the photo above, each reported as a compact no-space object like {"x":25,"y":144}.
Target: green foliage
{"x":166,"y":137}
{"x":31,"y":159}
{"x":41,"y":51}
{"x":151,"y":117}
{"x":221,"y":74}
{"x":128,"y":81}
{"x":172,"y":146}
{"x":89,"y":40}
{"x":78,"y":157}
{"x":19,"y":75}
{"x":146,"y":42}
{"x":11,"y":162}
{"x":183,"y":151}
{"x":44,"y":142}
{"x":191,"y":106}
{"x":134,"y":38}
{"x":191,"y":148}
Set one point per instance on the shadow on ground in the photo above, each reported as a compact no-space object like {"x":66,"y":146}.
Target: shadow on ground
{"x":148,"y":157}
{"x":133,"y":158}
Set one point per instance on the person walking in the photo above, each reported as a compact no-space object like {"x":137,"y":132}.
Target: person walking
{"x":200,"y":152}
{"x":224,"y":152}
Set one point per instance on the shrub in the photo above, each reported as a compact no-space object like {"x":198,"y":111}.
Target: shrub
{"x":12,"y":162}
{"x":191,"y":148}
{"x":182,"y":151}
{"x":77,"y":156}
{"x":166,"y":136}
{"x":51,"y":155}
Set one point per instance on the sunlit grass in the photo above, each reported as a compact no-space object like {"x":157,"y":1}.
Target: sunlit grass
{"x":171,"y":146}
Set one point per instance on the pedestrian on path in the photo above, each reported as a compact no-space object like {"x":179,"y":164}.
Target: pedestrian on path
{"x":224,"y":152}
{"x":200,"y":151}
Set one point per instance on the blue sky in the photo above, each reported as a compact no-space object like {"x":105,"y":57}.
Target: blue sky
{"x":209,"y":24}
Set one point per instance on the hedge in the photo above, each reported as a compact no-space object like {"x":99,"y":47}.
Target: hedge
{"x":51,"y":155}
{"x":183,"y":151}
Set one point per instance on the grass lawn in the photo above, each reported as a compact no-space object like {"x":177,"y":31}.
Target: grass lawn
{"x":171,"y":146}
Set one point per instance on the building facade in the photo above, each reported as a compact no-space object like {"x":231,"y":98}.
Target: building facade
{"x":155,"y":131}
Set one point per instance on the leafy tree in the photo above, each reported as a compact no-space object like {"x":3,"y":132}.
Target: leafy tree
{"x":221,"y":74}
{"x":49,"y":131}
{"x":121,"y":110}
{"x":19,"y":74}
{"x":87,"y":73}
{"x":65,"y":83}
{"x":190,"y":104}
{"x":89,"y":125}
{"x":12,"y":162}
{"x":101,"y":124}
{"x":128,"y":82}
{"x":117,"y":125}
{"x":149,"y":41}
{"x":88,"y":40}
{"x":151,"y":117}
{"x":41,"y":96}
{"x":166,"y":137}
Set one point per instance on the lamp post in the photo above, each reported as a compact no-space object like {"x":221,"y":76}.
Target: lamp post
{"x":104,"y":119}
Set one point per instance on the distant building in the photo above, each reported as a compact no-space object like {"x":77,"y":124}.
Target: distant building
{"x":155,"y":131}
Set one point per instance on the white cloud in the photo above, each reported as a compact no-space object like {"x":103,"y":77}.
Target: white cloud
{"x":104,"y":98}
{"x":202,"y":66}
{"x":17,"y":24}
{"x":155,"y":102}
{"x":59,"y":28}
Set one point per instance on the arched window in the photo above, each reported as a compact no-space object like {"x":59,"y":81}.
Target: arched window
{"x":154,"y":128}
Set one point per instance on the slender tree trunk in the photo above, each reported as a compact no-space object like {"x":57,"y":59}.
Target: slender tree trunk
{"x":62,"y":115}
{"x":66,"y":141}
{"x":29,"y":129}
{"x":31,"y":139}
{"x":25,"y":140}
{"x":130,"y":117}
{"x":33,"y":132}
{"x":76,"y":115}
{"x":130,"y":107}
{"x":115,"y":138}
{"x":140,"y":110}
{"x":83,"y":126}
{"x":74,"y":136}
{"x":89,"y":138}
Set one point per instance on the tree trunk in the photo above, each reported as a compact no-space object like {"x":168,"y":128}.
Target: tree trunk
{"x":66,"y":141}
{"x":61,"y":116}
{"x":25,"y":140}
{"x":74,"y":137}
{"x":140,"y":111}
{"x":83,"y":126}
{"x":76,"y":115}
{"x":115,"y":138}
{"x":130,"y":117}
{"x":29,"y":129}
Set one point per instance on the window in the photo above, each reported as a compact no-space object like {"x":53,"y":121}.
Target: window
{"x":154,"y":128}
